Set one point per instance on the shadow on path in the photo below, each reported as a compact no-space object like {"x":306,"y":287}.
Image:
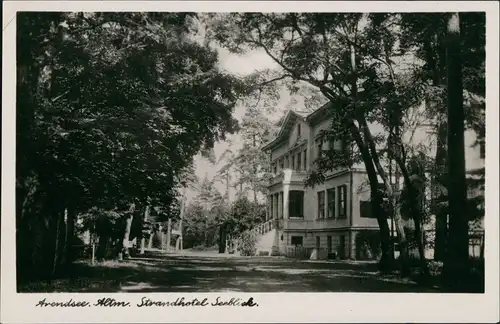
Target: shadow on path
{"x":159,"y":272}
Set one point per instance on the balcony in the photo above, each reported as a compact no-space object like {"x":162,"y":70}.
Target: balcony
{"x":277,"y":178}
{"x":288,"y":175}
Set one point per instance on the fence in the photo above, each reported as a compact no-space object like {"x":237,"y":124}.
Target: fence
{"x":476,"y":248}
{"x":299,"y":252}
{"x":476,"y":245}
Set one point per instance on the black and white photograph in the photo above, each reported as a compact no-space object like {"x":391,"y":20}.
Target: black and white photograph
{"x":229,"y":154}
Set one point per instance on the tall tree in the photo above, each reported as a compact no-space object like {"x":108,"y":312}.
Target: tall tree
{"x":333,"y":53}
{"x":425,"y":35}
{"x":108,"y":125}
{"x":252,"y":162}
{"x":213,"y":206}
{"x":457,"y":257}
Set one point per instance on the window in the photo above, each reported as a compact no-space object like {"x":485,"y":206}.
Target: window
{"x":275,"y":167}
{"x":336,"y":145}
{"x":321,"y":204}
{"x":282,"y":164}
{"x":342,"y":246}
{"x":296,"y":204}
{"x":305,"y":159}
{"x":298,"y":130}
{"x":331,"y":144}
{"x":292,"y":158}
{"x":286,"y":162}
{"x":297,"y":240}
{"x":299,"y":160}
{"x":365,"y":209}
{"x":342,"y":192}
{"x":330,"y":193}
{"x":329,"y":244}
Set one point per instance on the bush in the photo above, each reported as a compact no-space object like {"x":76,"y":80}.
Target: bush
{"x":248,"y":244}
{"x":368,"y":245}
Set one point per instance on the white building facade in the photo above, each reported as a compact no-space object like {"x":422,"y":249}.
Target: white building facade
{"x":328,"y":218}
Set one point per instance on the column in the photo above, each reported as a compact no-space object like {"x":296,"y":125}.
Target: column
{"x":348,"y":201}
{"x":286,"y":189}
{"x":273,"y":203}
{"x":304,"y":160}
{"x":269,"y":208}
{"x":275,"y":247}
{"x":280,"y":203}
{"x":276,"y":198}
{"x":276,"y":241}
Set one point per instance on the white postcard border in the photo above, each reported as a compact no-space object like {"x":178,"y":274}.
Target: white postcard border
{"x":273,"y":307}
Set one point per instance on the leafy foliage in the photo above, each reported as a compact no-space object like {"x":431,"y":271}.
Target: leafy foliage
{"x":111,"y":109}
{"x":247,"y":243}
{"x":373,"y":69}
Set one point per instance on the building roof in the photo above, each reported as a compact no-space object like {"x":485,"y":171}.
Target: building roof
{"x":290,"y":118}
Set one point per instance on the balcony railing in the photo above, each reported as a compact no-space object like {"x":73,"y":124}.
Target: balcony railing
{"x":296,"y":176}
{"x":277,"y":178}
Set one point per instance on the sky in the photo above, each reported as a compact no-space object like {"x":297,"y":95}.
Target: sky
{"x":239,"y":65}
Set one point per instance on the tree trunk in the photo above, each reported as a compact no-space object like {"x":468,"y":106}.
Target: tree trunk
{"x":125,"y":253}
{"x":424,"y":269}
{"x":441,"y":232}
{"x":398,"y":221}
{"x":455,"y":268}
{"x":416,"y":214}
{"x":222,"y":239}
{"x":143,"y":239}
{"x":169,"y":233}
{"x":101,"y":248}
{"x":151,"y":238}
{"x":436,"y":58}
{"x":59,"y":242}
{"x":182,"y":211}
{"x":69,"y":256}
{"x":481,"y":253}
{"x":439,"y":183}
{"x":376,"y":200}
{"x":403,"y":242}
